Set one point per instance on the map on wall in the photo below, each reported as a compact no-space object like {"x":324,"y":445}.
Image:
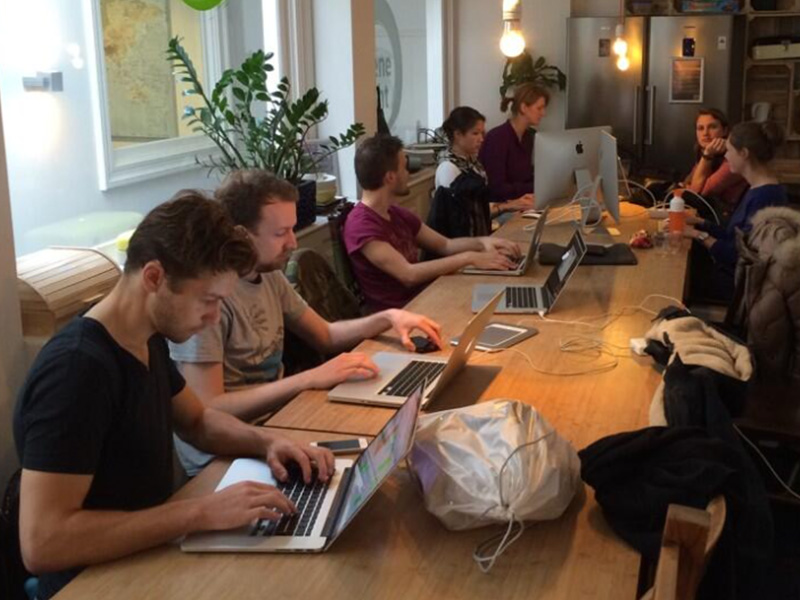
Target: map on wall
{"x":141,"y":89}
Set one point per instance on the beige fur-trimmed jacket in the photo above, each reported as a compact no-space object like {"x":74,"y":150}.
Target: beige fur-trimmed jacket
{"x":767,"y":305}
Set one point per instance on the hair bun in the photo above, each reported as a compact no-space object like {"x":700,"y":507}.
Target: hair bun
{"x":448,"y":129}
{"x":773,"y":132}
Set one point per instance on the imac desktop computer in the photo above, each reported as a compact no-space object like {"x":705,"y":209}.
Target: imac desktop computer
{"x":577,"y":164}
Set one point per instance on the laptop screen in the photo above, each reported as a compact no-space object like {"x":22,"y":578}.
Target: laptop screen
{"x":569,"y":262}
{"x":379,"y":459}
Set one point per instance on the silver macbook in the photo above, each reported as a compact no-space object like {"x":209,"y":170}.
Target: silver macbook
{"x":400,"y":373}
{"x":324,"y":510}
{"x":522,"y":263}
{"x":535,"y":298}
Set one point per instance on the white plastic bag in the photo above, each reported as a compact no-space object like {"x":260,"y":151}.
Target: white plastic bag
{"x":490,"y":463}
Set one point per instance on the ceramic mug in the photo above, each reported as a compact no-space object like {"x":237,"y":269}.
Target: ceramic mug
{"x":760,"y":111}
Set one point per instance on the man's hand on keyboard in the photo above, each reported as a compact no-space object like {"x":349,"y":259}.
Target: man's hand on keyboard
{"x":491,"y":260}
{"x":506,"y":247}
{"x":241,"y":504}
{"x":281,"y":452}
{"x":346,"y":366}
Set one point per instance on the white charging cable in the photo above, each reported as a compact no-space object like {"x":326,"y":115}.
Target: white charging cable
{"x":487,"y":552}
{"x":593,"y":348}
{"x":641,"y":187}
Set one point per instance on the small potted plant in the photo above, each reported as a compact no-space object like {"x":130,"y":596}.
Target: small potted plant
{"x":523,"y":69}
{"x":254,"y":126}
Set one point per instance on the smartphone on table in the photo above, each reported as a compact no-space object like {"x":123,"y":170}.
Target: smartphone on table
{"x":350,"y":446}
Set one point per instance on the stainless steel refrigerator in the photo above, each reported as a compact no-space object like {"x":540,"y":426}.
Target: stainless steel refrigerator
{"x":677,"y":65}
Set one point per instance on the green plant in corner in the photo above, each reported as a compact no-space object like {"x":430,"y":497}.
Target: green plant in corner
{"x":272,"y":138}
{"x":523,"y":69}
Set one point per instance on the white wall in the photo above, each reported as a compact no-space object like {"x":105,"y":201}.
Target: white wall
{"x":12,"y":353}
{"x":52,"y":171}
{"x":479,"y":63}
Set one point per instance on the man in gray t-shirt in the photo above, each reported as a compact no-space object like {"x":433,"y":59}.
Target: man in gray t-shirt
{"x":235,"y":365}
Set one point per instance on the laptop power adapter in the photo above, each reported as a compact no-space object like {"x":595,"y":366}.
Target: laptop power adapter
{"x":638,"y":345}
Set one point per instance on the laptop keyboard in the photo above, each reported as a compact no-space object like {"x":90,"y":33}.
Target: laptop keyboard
{"x":308,"y":500}
{"x":521,"y":297}
{"x":407,"y":380}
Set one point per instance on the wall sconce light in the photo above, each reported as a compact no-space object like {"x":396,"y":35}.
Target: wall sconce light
{"x":44,"y":82}
{"x":75,"y":58}
{"x":513,"y":42}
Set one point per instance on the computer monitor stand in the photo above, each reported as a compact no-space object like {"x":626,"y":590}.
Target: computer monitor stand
{"x":591,"y":212}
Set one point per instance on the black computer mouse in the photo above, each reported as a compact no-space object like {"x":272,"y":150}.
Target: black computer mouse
{"x":423,"y":345}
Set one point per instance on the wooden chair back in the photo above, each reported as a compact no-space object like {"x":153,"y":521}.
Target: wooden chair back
{"x":690,"y":536}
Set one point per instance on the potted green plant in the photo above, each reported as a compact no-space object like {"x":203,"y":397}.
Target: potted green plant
{"x":523,"y":69}
{"x":254,"y":126}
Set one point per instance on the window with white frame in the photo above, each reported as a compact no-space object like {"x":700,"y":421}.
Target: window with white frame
{"x":57,"y":196}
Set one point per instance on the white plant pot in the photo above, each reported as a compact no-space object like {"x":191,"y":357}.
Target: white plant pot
{"x":326,"y":186}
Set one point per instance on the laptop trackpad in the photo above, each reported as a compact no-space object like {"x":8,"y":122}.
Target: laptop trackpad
{"x":389,"y":365}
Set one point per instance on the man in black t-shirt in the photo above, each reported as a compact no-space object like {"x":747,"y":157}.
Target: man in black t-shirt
{"x":94,"y":420}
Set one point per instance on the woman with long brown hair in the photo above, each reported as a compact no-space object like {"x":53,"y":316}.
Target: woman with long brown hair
{"x":711,"y":176}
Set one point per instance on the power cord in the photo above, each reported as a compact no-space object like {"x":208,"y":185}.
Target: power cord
{"x":590,"y":347}
{"x":629,"y":183}
{"x":767,"y":463}
{"x":611,"y":317}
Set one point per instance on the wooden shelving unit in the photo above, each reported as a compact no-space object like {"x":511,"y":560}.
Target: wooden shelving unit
{"x":775,"y":81}
{"x":668,"y":8}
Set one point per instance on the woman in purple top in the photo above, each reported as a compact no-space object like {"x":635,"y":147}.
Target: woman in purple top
{"x":507,"y":152}
{"x":750,"y":149}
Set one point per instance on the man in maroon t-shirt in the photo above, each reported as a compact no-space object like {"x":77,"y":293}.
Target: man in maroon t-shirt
{"x":383,"y":240}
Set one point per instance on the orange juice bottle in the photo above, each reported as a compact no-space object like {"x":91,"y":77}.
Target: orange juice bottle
{"x":677,"y":212}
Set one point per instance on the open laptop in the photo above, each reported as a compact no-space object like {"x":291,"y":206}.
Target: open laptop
{"x":535,"y":298}
{"x":522,"y":263}
{"x":400,"y":373}
{"x":324,"y":509}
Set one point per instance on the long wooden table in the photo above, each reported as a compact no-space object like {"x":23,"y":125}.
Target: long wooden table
{"x":395,"y":549}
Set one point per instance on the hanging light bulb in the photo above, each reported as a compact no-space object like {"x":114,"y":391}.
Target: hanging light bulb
{"x":513,"y":42}
{"x":620,"y":45}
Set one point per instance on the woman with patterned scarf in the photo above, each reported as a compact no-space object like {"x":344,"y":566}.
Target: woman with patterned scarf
{"x":461,"y":204}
